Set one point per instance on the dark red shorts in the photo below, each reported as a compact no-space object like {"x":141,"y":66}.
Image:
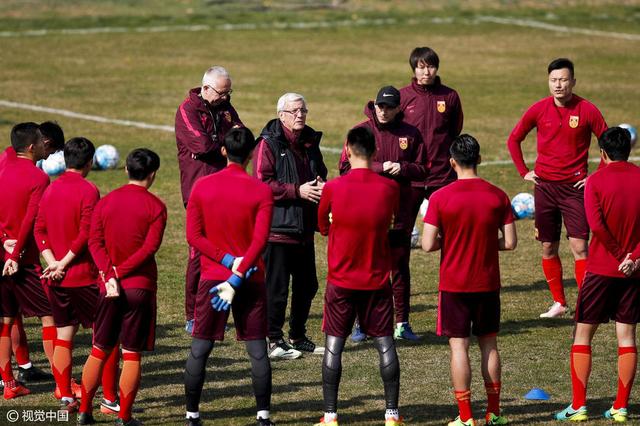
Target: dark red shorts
{"x":249,"y":309}
{"x":555,"y":202}
{"x":603,"y":298}
{"x":374,"y":309}
{"x":130,"y":318}
{"x":462,"y":314}
{"x":74,"y":305}
{"x":24,"y":292}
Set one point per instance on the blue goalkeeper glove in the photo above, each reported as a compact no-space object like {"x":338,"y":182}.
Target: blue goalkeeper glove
{"x":224,"y":292}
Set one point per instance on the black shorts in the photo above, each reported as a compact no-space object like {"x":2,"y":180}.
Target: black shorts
{"x":555,"y":202}
{"x":463,"y":314}
{"x":74,"y":305}
{"x":604,"y":298}
{"x":24,"y":292}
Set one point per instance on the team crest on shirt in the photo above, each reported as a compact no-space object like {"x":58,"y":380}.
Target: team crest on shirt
{"x":441,"y":106}
{"x":404,"y":143}
{"x":227,"y":116}
{"x":573,"y":121}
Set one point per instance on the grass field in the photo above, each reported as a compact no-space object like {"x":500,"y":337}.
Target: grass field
{"x":355,"y":48}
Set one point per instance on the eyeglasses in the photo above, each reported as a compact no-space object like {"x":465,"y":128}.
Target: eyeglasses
{"x":221,"y":94}
{"x":294,"y":112}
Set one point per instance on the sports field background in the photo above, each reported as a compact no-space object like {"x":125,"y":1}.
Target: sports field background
{"x":136,"y":60}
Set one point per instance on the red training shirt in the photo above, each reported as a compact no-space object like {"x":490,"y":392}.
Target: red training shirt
{"x":469,"y":213}
{"x":564,"y":136}
{"x":63,"y":224}
{"x":229,"y":212}
{"x":356,"y":211}
{"x":126,"y":232}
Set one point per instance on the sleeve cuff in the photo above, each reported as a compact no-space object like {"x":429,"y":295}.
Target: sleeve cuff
{"x":234,"y":280}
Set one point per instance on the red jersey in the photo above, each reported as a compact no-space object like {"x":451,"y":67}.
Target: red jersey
{"x":469,"y":213}
{"x":612,"y":205}
{"x":21,"y":187}
{"x":229,"y":212}
{"x":63,"y":224}
{"x":126,"y":231}
{"x":356,"y":211}
{"x":564,"y":136}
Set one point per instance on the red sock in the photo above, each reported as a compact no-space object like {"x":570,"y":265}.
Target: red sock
{"x":5,"y":353}
{"x":627,"y":360}
{"x":464,"y":404}
{"x":62,"y":366}
{"x":49,"y":334}
{"x":90,"y":378}
{"x":580,"y":371}
{"x":129,"y":383}
{"x":580,"y":268}
{"x":493,"y":397}
{"x":110,"y":375}
{"x":19,"y":341}
{"x":552,"y":269}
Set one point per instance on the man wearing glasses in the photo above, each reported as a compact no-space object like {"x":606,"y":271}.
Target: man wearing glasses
{"x":202,"y":120}
{"x":289,"y":160}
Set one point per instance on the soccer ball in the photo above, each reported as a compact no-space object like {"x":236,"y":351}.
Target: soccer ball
{"x":632,"y":131}
{"x":53,"y":165}
{"x":523,"y":206}
{"x":423,"y":208}
{"x":106,"y":157}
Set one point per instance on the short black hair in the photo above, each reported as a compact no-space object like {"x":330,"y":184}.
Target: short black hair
{"x":465,"y":149}
{"x":23,"y":135}
{"x":78,"y":152}
{"x":616,"y":142}
{"x":51,"y":130}
{"x":423,"y":54}
{"x":141,"y":162}
{"x":362,"y":142}
{"x":239,"y":143}
{"x":560,"y":63}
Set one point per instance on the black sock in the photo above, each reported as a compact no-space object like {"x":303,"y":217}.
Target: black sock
{"x":331,"y":372}
{"x":260,"y":372}
{"x":194,"y":372}
{"x":389,"y":369}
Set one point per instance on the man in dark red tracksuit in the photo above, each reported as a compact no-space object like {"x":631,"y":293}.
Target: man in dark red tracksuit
{"x":399,"y":156}
{"x":202,"y":120}
{"x":436,"y":111}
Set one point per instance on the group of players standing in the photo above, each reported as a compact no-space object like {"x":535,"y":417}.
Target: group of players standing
{"x":248,"y":237}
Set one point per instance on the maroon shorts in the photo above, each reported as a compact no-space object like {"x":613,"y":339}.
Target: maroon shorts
{"x":460,"y":314}
{"x":130,"y":318}
{"x":603,"y":298}
{"x":74,"y":305}
{"x":24,"y":292}
{"x":555,"y":202}
{"x":249,"y":309}
{"x":374,"y":309}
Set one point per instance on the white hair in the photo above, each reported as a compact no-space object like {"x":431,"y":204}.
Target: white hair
{"x":289,"y":97}
{"x":212,"y":75}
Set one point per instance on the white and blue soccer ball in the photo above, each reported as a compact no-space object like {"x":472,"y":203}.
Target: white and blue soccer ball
{"x":523,"y":206}
{"x":632,"y":131}
{"x":106,"y":157}
{"x":53,"y":165}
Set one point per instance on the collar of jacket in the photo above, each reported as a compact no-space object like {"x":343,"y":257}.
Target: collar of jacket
{"x":273,"y":130}
{"x":370,"y":112}
{"x":425,"y":89}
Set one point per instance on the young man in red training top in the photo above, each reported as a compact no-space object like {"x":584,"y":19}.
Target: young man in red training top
{"x":61,"y":232}
{"x":359,"y":262}
{"x":399,"y":156}
{"x":469,"y":298}
{"x":611,"y":288}
{"x":123,"y":242}
{"x":564,"y":123}
{"x":21,"y":186}
{"x":228,"y":222}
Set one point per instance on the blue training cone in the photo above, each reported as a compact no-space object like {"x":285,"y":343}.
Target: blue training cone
{"x":537,"y":394}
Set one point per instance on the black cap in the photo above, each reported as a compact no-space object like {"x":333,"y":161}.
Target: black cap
{"x":388,"y":95}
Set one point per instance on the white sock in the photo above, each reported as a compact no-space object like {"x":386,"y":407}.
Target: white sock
{"x":26,"y":366}
{"x":400,"y":324}
{"x":68,"y":399}
{"x":391,"y":414}
{"x":263,"y":414}
{"x":329,"y":417}
{"x":193,"y":414}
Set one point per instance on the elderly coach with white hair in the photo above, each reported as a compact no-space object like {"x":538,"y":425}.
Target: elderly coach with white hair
{"x":202,"y":121}
{"x":288,"y":159}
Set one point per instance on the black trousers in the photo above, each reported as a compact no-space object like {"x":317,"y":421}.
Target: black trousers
{"x":298,"y":263}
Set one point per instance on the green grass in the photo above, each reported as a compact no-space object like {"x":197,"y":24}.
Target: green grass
{"x":498,"y":71}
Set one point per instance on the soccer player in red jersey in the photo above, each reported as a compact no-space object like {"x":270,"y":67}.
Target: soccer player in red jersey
{"x":463,"y":219}
{"x":21,"y":187}
{"x":228,"y":222}
{"x":611,"y":288}
{"x":564,"y":123}
{"x":399,"y":156}
{"x":359,"y":267}
{"x":126,"y":309}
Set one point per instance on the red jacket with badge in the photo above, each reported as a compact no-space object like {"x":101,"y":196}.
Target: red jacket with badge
{"x":398,"y":142}
{"x":200,"y":129}
{"x":436,"y":111}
